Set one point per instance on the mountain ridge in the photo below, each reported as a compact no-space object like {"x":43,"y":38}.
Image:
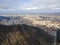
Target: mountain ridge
{"x":23,"y":35}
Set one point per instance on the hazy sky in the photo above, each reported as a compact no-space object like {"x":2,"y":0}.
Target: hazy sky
{"x":41,"y":5}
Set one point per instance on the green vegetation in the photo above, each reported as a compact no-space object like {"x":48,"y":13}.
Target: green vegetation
{"x":22,"y":35}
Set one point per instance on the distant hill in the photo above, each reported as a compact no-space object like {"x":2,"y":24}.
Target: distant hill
{"x":3,"y":17}
{"x":31,"y":12}
{"x":55,"y":13}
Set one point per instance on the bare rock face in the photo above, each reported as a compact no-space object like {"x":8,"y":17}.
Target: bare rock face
{"x":22,"y":35}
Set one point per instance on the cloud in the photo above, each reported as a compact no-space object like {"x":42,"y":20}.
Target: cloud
{"x":31,"y":8}
{"x":14,"y":5}
{"x":42,"y":4}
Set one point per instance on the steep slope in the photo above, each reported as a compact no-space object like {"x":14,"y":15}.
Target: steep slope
{"x":23,"y":35}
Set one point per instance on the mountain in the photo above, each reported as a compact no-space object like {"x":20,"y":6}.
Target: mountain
{"x":36,"y":11}
{"x":23,"y":35}
{"x":3,"y":17}
{"x":56,"y":13}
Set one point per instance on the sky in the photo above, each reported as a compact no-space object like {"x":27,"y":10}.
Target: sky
{"x":17,"y":6}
